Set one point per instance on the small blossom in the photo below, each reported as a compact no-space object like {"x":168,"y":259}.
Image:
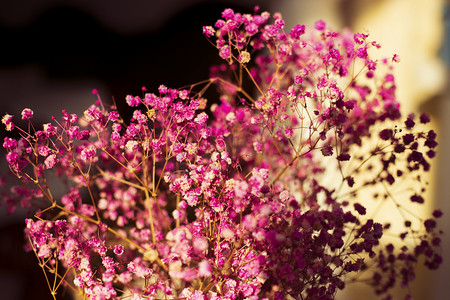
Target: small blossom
{"x":49,"y":129}
{"x":132,"y":130}
{"x":244,"y":57}
{"x":162,"y":89}
{"x":430,"y":224}
{"x":131,"y":145}
{"x":279,"y":23}
{"x":219,"y":23}
{"x":240,"y":189}
{"x":228,"y":13}
{"x":359,"y":208}
{"x":396,"y":58}
{"x":225,"y":52}
{"x":43,"y":150}
{"x":27,"y":114}
{"x":7,"y":121}
{"x":284,"y":195}
{"x":327,"y":151}
{"x":201,"y":119}
{"x":73,"y":118}
{"x":251,"y":28}
{"x":417,"y":198}
{"x":257,"y":146}
{"x":343,"y":157}
{"x":386,"y":134}
{"x":204,"y":269}
{"x":88,"y":153}
{"x":140,"y":117}
{"x":361,"y":53}
{"x":297,"y":31}
{"x":9,"y":144}
{"x":132,"y":101}
{"x":118,"y":249}
{"x":359,"y":38}
{"x":131,"y":267}
{"x":409,"y":123}
{"x":113,"y":116}
{"x":320,"y":25}
{"x":424,"y":118}
{"x":437,"y":213}
{"x":72,"y":132}
{"x":289,"y":133}
{"x":208,"y":31}
{"x":83,"y":135}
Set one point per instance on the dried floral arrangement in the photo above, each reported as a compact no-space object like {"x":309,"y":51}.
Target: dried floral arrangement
{"x":231,"y":200}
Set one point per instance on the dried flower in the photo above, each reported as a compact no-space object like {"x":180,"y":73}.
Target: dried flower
{"x":232,"y":203}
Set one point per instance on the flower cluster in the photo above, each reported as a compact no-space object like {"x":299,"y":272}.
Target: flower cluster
{"x":231,"y":200}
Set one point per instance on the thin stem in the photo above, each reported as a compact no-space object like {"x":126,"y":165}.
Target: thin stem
{"x":253,"y":80}
{"x":292,"y":162}
{"x":42,"y":264}
{"x":150,"y":215}
{"x":106,"y":175}
{"x":114,"y":232}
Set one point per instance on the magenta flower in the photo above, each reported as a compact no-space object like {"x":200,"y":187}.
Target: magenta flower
{"x":27,"y":114}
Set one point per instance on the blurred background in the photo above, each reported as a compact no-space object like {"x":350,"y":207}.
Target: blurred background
{"x":54,"y":52}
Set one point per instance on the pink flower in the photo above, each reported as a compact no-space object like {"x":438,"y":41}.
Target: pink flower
{"x":88,"y":152}
{"x":396,"y":58}
{"x":27,"y":114}
{"x":208,"y":31}
{"x":73,"y":131}
{"x":50,"y":161}
{"x":320,"y":25}
{"x":132,"y":101}
{"x":225,"y":52}
{"x":219,"y":24}
{"x":140,"y":117}
{"x":361,"y":53}
{"x":49,"y":129}
{"x":297,"y":31}
{"x":360,"y":38}
{"x":200,"y":243}
{"x":113,"y":116}
{"x":240,"y":189}
{"x":251,"y":28}
{"x":7,"y":121}
{"x":279,"y":23}
{"x":162,"y":89}
{"x":201,"y":119}
{"x":204,"y":269}
{"x":257,"y":146}
{"x":228,"y":13}
{"x":9,"y":144}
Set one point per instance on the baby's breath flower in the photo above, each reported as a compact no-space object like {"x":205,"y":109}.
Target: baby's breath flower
{"x":208,"y":31}
{"x":232,"y":202}
{"x":88,"y":153}
{"x":7,"y":121}
{"x":244,"y":57}
{"x":27,"y":114}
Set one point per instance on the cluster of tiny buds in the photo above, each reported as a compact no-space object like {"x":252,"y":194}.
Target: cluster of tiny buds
{"x":187,"y":200}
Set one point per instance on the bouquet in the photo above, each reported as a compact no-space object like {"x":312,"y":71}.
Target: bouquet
{"x":267,"y":193}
